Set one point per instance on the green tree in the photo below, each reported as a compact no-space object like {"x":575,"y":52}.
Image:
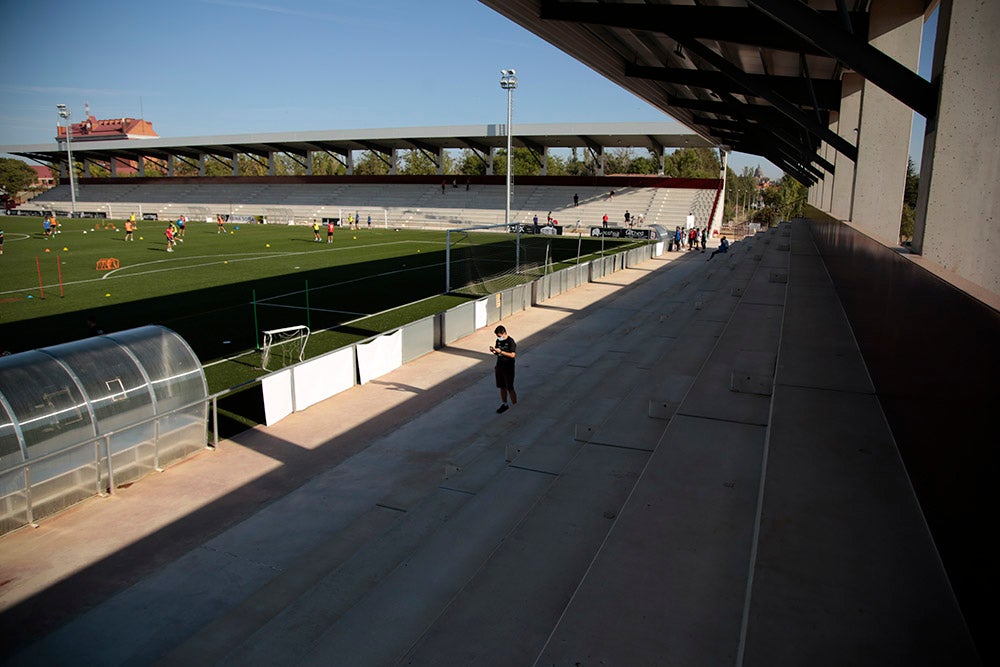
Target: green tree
{"x":525,"y":163}
{"x":15,"y":176}
{"x":470,"y":163}
{"x":908,"y":218}
{"x":323,"y":164}
{"x":741,"y":192}
{"x":693,"y":163}
{"x":370,"y":164}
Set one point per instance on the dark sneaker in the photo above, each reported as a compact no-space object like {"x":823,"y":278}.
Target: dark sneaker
{"x":503,"y":408}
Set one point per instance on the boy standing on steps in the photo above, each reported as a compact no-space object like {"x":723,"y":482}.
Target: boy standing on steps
{"x":505,"y":351}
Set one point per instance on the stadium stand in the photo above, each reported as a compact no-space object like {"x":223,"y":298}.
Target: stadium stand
{"x":401,"y":205}
{"x":676,"y":486}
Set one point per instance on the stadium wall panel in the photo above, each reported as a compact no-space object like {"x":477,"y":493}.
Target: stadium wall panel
{"x":380,"y":355}
{"x":418,"y":339}
{"x":278,"y":401}
{"x":458,"y":322}
{"x":320,"y":378}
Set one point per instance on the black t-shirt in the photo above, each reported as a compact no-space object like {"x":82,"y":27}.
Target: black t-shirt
{"x":505,"y":345}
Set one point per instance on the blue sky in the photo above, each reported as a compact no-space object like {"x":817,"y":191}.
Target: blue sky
{"x":203,"y":67}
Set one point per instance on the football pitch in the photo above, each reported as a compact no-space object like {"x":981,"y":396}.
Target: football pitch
{"x":220,"y":290}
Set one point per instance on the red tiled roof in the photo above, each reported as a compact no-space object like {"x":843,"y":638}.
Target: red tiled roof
{"x":94,"y":129}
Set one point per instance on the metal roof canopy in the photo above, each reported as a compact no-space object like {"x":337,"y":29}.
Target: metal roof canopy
{"x":655,"y":136}
{"x":756,"y":76}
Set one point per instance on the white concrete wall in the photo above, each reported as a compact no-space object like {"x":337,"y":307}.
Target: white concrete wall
{"x":958,"y":215}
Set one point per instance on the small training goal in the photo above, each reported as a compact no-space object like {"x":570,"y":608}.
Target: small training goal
{"x":288,"y":344}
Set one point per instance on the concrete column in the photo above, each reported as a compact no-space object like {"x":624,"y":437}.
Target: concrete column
{"x":842,"y":197}
{"x":350,"y":162}
{"x":884,"y":134}
{"x":309,"y":163}
{"x":545,"y":160}
{"x":140,"y":164}
{"x":440,"y":169}
{"x":826,"y":203}
{"x":489,"y":165}
{"x":601,"y":161}
{"x":236,"y":164}
{"x":201,"y":164}
{"x":270,"y":163}
{"x":958,"y":210}
{"x":112,"y":167}
{"x":86,"y":167}
{"x":171,"y":163}
{"x":662,"y":158}
{"x":393,"y":162}
{"x":63,"y":174}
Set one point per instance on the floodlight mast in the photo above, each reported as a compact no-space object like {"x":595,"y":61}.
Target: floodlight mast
{"x":508,"y":81}
{"x":65,"y":113}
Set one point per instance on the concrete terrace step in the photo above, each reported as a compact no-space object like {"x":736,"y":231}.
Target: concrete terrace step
{"x":465,"y":537}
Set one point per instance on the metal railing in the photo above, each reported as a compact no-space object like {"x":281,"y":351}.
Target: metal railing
{"x":103,"y":454}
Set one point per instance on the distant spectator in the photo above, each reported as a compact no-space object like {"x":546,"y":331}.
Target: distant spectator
{"x":612,"y":195}
{"x":704,"y":238}
{"x":536,"y":220}
{"x":605,"y":220}
{"x":442,"y":187}
{"x":369,"y":221}
{"x":1,"y":241}
{"x":576,"y":199}
{"x":723,"y":247}
{"x":628,"y":218}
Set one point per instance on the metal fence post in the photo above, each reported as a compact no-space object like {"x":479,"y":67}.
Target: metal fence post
{"x":111,"y":471}
{"x":215,"y":421}
{"x":156,"y":446}
{"x":27,"y":495}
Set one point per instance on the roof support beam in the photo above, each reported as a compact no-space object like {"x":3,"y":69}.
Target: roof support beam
{"x":738,"y":25}
{"x":899,"y":81}
{"x":826,"y":92}
{"x":792,"y":112}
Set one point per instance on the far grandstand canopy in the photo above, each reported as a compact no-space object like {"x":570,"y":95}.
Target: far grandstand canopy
{"x":596,"y":137}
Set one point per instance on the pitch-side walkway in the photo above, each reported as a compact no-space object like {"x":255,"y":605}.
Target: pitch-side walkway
{"x":697,"y":473}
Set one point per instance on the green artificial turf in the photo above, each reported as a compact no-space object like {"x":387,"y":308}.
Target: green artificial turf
{"x":219,"y":291}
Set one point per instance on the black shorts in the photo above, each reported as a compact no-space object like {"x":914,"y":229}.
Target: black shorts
{"x":505,"y":376}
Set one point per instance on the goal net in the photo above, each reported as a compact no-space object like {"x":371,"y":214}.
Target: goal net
{"x":487,"y":259}
{"x":287,"y":344}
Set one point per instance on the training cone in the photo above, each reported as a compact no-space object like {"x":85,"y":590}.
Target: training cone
{"x":108,"y":294}
{"x":47,"y":250}
{"x":267,"y":245}
{"x":65,"y":249}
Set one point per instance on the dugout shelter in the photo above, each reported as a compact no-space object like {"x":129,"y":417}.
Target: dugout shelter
{"x":80,"y":418}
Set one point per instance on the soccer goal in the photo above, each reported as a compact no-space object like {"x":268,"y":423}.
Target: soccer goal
{"x":288,"y":344}
{"x":491,"y":258}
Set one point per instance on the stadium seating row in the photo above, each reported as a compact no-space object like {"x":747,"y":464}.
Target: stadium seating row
{"x":403,"y":205}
